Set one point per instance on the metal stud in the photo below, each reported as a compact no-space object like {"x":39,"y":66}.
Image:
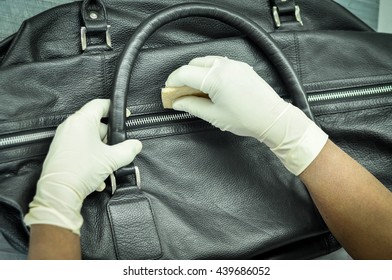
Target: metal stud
{"x":93,"y":15}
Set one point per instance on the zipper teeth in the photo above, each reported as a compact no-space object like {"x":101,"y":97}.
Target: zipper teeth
{"x":311,"y":98}
{"x":158,"y":119}
{"x":349,"y":93}
{"x":13,"y":140}
{"x":20,"y":139}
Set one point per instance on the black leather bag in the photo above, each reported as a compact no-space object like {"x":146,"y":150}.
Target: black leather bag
{"x":194,"y":192}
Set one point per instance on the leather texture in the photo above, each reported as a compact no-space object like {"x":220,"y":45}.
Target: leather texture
{"x":247,"y":27}
{"x":284,"y":6}
{"x":94,"y":15}
{"x":207,"y":194}
{"x":133,"y":227}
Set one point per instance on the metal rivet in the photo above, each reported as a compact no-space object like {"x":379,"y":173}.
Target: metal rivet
{"x":93,"y":15}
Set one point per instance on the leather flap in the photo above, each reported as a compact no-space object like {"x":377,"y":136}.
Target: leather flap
{"x":132,"y":223}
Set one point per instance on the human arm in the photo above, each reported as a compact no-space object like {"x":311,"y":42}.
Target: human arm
{"x":355,"y":205}
{"x":48,"y":242}
{"x":77,"y":164}
{"x":243,"y":103}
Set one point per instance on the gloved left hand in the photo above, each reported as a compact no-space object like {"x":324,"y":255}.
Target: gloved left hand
{"x":77,"y":164}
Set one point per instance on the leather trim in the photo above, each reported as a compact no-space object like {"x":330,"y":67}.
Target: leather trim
{"x":133,"y":227}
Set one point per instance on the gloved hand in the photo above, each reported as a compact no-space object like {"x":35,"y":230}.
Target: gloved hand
{"x":77,"y":164}
{"x":243,"y":103}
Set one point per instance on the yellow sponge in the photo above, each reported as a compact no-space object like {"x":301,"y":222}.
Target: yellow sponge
{"x":169,"y":94}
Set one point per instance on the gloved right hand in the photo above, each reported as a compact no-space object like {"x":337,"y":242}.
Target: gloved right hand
{"x":243,"y":103}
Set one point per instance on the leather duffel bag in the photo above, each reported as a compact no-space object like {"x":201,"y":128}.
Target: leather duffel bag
{"x":194,"y":192}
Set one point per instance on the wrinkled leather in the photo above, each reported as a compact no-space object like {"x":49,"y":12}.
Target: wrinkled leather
{"x":258,"y":36}
{"x":257,"y":209}
{"x":40,"y":40}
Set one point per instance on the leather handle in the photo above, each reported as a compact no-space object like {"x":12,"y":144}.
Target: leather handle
{"x":117,"y":118}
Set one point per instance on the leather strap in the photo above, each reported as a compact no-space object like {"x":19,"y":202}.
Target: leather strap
{"x":94,"y":15}
{"x":133,"y":227}
{"x":285,"y":11}
{"x":285,"y":7}
{"x":95,"y":32}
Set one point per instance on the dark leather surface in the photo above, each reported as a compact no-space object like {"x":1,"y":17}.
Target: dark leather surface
{"x":99,"y":9}
{"x":248,"y":28}
{"x":133,"y":227}
{"x":40,"y":39}
{"x":257,"y":209}
{"x":284,"y":7}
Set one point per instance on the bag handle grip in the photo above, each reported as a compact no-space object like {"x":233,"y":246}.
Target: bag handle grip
{"x":117,"y":117}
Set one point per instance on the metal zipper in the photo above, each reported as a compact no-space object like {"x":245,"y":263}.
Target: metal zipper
{"x":157,"y":119}
{"x":344,"y":94}
{"x":182,"y":116}
{"x":326,"y":96}
{"x":25,"y":138}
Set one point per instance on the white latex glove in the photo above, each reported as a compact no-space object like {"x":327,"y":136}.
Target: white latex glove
{"x":77,"y":164}
{"x":244,"y":104}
